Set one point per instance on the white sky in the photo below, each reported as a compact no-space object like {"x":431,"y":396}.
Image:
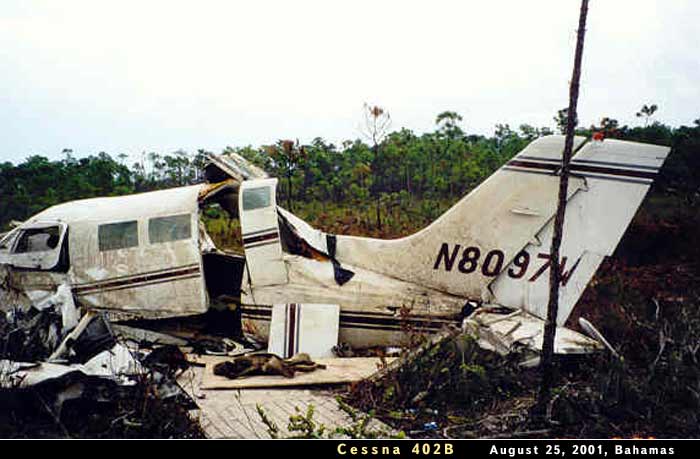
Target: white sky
{"x":126,"y":77}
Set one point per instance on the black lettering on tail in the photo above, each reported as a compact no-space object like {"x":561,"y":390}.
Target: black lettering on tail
{"x":445,"y":253}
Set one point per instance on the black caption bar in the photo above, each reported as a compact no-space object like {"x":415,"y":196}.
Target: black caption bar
{"x":416,"y":448}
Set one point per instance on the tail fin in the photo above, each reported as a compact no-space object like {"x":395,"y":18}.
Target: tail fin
{"x":617,"y":175}
{"x":490,"y":244}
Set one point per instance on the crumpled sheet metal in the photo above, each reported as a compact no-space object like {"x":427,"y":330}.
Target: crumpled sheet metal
{"x":63,"y":301}
{"x":117,"y":363}
{"x":233,"y":165}
{"x":504,"y":333}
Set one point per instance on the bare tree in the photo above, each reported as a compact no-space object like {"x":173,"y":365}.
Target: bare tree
{"x":546,"y":366}
{"x":376,"y":127}
{"x":646,"y":112}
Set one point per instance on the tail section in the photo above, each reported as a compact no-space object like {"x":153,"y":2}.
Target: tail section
{"x":466,"y":248}
{"x":494,"y":243}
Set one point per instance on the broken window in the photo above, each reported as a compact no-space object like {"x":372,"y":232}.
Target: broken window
{"x":172,"y":228}
{"x":38,"y":240}
{"x":112,"y":236}
{"x":256,"y":198}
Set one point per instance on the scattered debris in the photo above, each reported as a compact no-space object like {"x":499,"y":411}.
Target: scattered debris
{"x":60,"y":376}
{"x":168,"y":360}
{"x":343,"y":350}
{"x":30,"y":335}
{"x":428,"y":426}
{"x":508,"y":331}
{"x":92,"y":335}
{"x":62,"y":301}
{"x":147,"y":338}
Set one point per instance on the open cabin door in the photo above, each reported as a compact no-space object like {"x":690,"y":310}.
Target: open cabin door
{"x":260,"y":230}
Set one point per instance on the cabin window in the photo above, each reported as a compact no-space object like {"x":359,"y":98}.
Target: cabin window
{"x":113,"y":236}
{"x":166,"y":229}
{"x":256,"y":198}
{"x":38,"y":240}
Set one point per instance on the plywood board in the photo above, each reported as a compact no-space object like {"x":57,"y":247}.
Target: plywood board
{"x":337,"y":371}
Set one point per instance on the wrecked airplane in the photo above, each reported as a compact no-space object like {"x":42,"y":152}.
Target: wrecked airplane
{"x":485,"y":260}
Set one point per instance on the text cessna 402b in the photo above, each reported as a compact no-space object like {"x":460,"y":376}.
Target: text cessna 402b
{"x":485,"y":260}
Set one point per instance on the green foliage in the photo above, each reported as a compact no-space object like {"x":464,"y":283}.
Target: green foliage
{"x":360,"y":427}
{"x":271,"y":426}
{"x":224,"y":231}
{"x":38,"y":183}
{"x":455,"y":376}
{"x":562,"y":119}
{"x":404,"y":181}
{"x":303,"y":425}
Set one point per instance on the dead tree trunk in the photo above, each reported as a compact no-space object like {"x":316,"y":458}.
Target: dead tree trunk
{"x":550,"y":327}
{"x":377,"y":186}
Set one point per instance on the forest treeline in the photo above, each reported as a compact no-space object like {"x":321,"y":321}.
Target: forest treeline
{"x":385,"y":170}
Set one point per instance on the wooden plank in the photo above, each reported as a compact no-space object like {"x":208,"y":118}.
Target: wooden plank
{"x":337,"y":371}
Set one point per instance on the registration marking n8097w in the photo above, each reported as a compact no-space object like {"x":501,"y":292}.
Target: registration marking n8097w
{"x":469,"y":260}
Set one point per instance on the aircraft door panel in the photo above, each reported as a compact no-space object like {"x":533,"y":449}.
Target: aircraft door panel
{"x":260,"y":230}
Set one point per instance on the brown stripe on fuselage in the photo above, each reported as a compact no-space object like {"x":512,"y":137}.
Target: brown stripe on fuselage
{"x":255,"y":233}
{"x":130,"y":276}
{"x":372,"y":320}
{"x":260,"y":244}
{"x":397,"y":327}
{"x":137,"y":280}
{"x":141,"y":284}
{"x":260,"y":238}
{"x":397,"y":321}
{"x":267,"y":312}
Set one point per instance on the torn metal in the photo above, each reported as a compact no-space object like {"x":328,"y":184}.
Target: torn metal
{"x":506,"y":331}
{"x":50,"y":355}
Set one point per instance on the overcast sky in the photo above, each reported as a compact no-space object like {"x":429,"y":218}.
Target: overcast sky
{"x":126,"y":77}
